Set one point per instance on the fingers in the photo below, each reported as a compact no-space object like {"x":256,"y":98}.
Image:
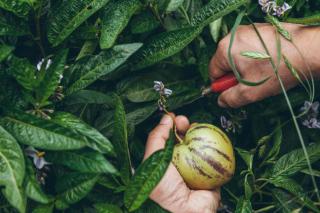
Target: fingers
{"x":219,"y":64}
{"x":158,"y":136}
{"x":234,"y":97}
{"x":182,"y":124}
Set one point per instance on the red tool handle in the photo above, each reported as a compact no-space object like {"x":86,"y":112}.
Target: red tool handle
{"x":224,"y":83}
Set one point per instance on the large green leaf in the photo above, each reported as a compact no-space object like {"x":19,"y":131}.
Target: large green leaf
{"x":295,"y":161}
{"x":68,"y":16}
{"x":120,"y":140}
{"x":116,"y":17}
{"x":148,"y":176}
{"x":174,"y":5}
{"x":101,"y":64}
{"x":293,"y":187}
{"x":285,"y":201}
{"x":5,"y":51}
{"x":75,"y":187}
{"x":95,"y":139}
{"x":82,"y":161}
{"x":43,"y":134}
{"x":52,"y":77}
{"x":48,"y":208}
{"x":215,"y":9}
{"x":19,"y":7}
{"x":163,"y":46}
{"x":243,"y":206}
{"x":144,"y":22}
{"x":12,"y":171}
{"x":32,"y":187}
{"x":23,"y":72}
{"x":107,"y":208}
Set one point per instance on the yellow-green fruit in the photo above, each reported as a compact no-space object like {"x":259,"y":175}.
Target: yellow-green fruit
{"x":205,"y":159}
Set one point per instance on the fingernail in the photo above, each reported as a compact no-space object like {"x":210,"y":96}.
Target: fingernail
{"x":166,"y":120}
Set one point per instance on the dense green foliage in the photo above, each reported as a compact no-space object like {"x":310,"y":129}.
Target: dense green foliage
{"x":90,"y":105}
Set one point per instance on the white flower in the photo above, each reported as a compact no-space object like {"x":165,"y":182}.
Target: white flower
{"x":39,"y":65}
{"x":38,"y":159}
{"x":312,"y":123}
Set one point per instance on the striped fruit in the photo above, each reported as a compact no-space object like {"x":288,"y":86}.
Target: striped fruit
{"x":205,"y":159}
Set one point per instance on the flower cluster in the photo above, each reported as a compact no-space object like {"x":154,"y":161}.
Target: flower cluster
{"x":271,"y":7}
{"x":234,"y":123}
{"x":40,"y":64}
{"x":164,"y":93}
{"x":312,"y":112}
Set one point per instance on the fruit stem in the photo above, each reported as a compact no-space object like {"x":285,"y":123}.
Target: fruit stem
{"x":174,"y":126}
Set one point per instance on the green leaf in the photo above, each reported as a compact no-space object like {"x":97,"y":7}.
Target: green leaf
{"x":43,"y":134}
{"x":32,"y":188}
{"x":144,"y":22}
{"x":247,"y":187}
{"x":231,"y":60}
{"x":116,"y":17}
{"x":293,"y":187}
{"x":70,"y":15}
{"x":79,"y":185}
{"x":100,"y":65}
{"x":243,"y":206}
{"x":292,"y":70}
{"x":23,"y":72}
{"x":255,"y":55}
{"x":174,"y":5}
{"x":163,"y":46}
{"x":315,"y":173}
{"x":285,"y":201}
{"x":313,"y":20}
{"x":82,"y":161}
{"x":107,"y":208}
{"x":120,"y":140}
{"x":277,"y":140}
{"x":95,"y":139}
{"x":246,"y":156}
{"x":87,"y":49}
{"x":19,"y":7}
{"x":215,"y":29}
{"x":215,"y":10}
{"x":276,"y":23}
{"x":52,"y":77}
{"x":48,"y":208}
{"x":109,"y":182}
{"x":12,"y":171}
{"x":13,"y":26}
{"x":147,"y":176}
{"x":5,"y":51}
{"x":295,"y":161}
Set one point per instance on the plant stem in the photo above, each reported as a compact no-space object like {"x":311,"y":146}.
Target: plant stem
{"x":184,"y":12}
{"x":265,"y":209}
{"x":290,"y":109}
{"x":38,"y":32}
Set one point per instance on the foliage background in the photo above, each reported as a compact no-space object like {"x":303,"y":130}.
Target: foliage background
{"x":93,"y":123}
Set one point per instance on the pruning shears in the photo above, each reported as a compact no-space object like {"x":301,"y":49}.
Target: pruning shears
{"x":221,"y":84}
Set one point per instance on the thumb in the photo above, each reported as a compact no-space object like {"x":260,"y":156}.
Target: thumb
{"x":159,"y":135}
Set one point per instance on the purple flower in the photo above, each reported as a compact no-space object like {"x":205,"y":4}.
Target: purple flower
{"x":159,"y":87}
{"x":313,"y":123}
{"x":269,"y":6}
{"x":38,"y":159}
{"x":227,"y":124}
{"x":311,"y":108}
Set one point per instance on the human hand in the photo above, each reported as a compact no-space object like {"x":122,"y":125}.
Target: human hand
{"x":255,"y":70}
{"x":172,"y":193}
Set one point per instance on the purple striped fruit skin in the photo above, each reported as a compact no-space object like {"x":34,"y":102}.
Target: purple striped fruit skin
{"x":205,"y":159}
